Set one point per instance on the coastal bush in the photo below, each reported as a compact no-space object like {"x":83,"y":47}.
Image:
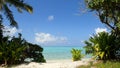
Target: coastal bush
{"x":107,"y":48}
{"x":76,"y":54}
{"x":11,"y":49}
{"x":16,"y":50}
{"x":34,"y":52}
{"x":102,"y":46}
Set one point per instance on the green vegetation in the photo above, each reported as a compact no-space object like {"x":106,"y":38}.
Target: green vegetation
{"x":108,"y":13}
{"x":108,"y":64}
{"x":76,"y":54}
{"x":102,"y":46}
{"x":105,"y":46}
{"x":34,"y":52}
{"x":5,"y":9}
{"x":15,"y":50}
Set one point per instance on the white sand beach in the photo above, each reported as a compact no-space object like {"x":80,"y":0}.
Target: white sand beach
{"x":55,"y":64}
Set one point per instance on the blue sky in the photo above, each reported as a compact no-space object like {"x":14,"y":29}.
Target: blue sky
{"x":57,"y":22}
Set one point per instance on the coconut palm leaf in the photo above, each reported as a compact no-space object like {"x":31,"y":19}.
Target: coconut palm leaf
{"x":9,"y":15}
{"x":5,"y":7}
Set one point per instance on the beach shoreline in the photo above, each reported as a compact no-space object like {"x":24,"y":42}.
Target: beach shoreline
{"x":55,"y":64}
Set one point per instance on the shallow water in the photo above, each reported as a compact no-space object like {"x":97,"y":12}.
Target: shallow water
{"x":59,"y":52}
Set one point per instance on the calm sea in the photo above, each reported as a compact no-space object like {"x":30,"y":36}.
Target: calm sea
{"x":59,"y":52}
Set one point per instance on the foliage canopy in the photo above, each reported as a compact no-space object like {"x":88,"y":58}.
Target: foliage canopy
{"x":108,"y":12}
{"x":104,"y":45}
{"x":16,"y":50}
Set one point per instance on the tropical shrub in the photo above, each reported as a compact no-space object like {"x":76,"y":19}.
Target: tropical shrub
{"x":102,"y":46}
{"x":34,"y":52}
{"x":108,"y":13}
{"x":76,"y":54}
{"x":16,"y":50}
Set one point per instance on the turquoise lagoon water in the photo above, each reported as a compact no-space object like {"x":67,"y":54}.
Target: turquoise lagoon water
{"x":59,"y":52}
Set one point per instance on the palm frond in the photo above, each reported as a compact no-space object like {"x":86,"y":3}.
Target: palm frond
{"x":9,"y":15}
{"x":20,"y":5}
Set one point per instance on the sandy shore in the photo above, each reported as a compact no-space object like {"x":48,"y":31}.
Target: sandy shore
{"x":55,"y":64}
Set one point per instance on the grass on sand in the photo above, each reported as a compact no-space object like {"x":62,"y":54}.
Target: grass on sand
{"x":99,"y":64}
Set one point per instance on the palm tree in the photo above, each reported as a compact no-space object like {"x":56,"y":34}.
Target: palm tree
{"x":5,"y":10}
{"x":5,"y":6}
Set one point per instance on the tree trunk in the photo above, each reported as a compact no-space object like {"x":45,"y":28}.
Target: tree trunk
{"x":5,"y":61}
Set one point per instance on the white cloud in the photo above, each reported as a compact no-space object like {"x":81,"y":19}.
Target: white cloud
{"x":98,"y":30}
{"x":82,"y":41}
{"x":10,"y":31}
{"x":46,"y":38}
{"x":51,"y":17}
